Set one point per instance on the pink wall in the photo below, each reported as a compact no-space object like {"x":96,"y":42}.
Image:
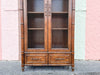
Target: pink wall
{"x":10,"y":27}
{"x":93,"y":30}
{"x":10,"y":30}
{"x":0,"y":32}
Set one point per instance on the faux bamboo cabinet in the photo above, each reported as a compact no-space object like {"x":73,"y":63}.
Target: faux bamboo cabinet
{"x":47,"y":32}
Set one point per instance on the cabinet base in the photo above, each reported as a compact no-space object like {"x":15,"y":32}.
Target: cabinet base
{"x":66,"y":68}
{"x":72,"y":67}
{"x":22,"y":68}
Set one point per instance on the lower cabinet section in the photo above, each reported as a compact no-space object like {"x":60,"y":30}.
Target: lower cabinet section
{"x":47,"y":59}
{"x":36,"y":59}
{"x":59,"y":59}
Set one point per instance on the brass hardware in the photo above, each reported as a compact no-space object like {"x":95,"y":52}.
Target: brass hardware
{"x":67,"y":55}
{"x":59,"y":58}
{"x":35,"y":58}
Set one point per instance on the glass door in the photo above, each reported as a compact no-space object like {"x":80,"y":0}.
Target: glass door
{"x":35,"y":25}
{"x":59,"y":25}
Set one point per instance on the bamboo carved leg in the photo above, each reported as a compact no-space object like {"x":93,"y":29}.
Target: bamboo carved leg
{"x":72,"y":62}
{"x":22,"y":64}
{"x":22,"y":35}
{"x":72,"y":33}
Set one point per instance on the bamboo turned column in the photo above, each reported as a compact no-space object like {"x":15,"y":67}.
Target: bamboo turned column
{"x":22,"y":35}
{"x":72,"y":33}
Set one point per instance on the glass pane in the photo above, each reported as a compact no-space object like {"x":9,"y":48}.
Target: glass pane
{"x":36,"y":24}
{"x":59,"y":20}
{"x":35,"y":5}
{"x":59,"y":23}
{"x":36,"y":21}
{"x":59,"y":39}
{"x":59,"y":5}
{"x":36,"y":39}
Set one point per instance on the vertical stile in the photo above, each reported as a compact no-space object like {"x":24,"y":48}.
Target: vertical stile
{"x":49,"y":28}
{"x":22,"y":34}
{"x":25,"y":25}
{"x":69,"y":24}
{"x":49,"y":25}
{"x":46,"y":27}
{"x":73,"y":25}
{"x":46,"y":20}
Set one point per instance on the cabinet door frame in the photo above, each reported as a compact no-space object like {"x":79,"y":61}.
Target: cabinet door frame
{"x":26,"y":30}
{"x":50,"y":49}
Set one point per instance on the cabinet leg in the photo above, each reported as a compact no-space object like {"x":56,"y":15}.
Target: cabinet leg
{"x":22,"y":68}
{"x":67,"y":67}
{"x":72,"y":67}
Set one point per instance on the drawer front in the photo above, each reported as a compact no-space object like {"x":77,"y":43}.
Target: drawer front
{"x":59,"y":58}
{"x":36,"y":59}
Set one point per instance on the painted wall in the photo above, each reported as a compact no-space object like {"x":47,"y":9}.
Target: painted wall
{"x":0,"y":33}
{"x":93,"y":30}
{"x":10,"y":29}
{"x":80,"y":17}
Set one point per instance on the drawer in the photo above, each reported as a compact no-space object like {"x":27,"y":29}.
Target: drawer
{"x":36,"y":59}
{"x":59,"y":58}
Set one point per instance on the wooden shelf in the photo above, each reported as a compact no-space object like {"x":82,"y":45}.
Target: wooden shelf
{"x":59,"y":12}
{"x":43,"y":28}
{"x":60,"y":48}
{"x":35,"y":48}
{"x":59,"y":28}
{"x":30,"y":12}
{"x":35,"y":28}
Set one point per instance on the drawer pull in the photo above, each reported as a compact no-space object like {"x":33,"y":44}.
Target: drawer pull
{"x":67,"y":55}
{"x":35,"y":58}
{"x":59,"y":59}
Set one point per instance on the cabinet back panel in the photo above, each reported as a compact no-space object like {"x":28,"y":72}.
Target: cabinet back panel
{"x":59,"y":20}
{"x":35,"y":5}
{"x":36,"y":39}
{"x":59,"y":5}
{"x":59,"y":39}
{"x":36,"y":20}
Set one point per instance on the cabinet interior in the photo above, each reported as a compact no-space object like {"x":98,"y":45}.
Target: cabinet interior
{"x":35,"y":5}
{"x":36,"y":23}
{"x":59,"y":39}
{"x":36,"y":39}
{"x":59,"y":5}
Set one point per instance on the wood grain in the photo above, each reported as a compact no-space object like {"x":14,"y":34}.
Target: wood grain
{"x":36,"y":58}
{"x":47,"y":32}
{"x":22,"y":35}
{"x":59,"y":58}
{"x":73,"y":27}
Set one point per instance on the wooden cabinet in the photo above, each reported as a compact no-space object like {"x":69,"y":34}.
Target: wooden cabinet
{"x":47,"y":32}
